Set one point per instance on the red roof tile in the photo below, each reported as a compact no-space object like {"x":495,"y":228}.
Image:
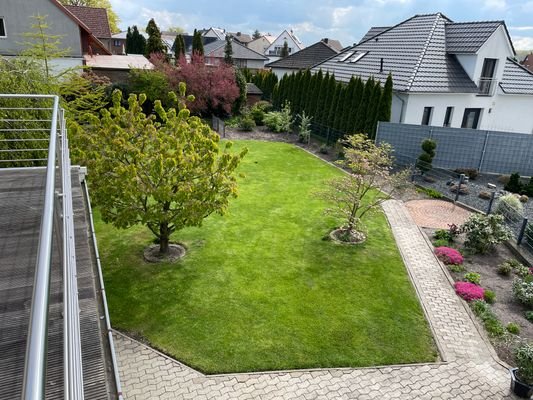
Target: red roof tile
{"x":95,"y":19}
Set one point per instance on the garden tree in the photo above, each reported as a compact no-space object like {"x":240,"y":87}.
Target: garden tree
{"x":363,"y":106}
{"x":256,"y":34}
{"x":313,"y":97}
{"x":228,"y":51}
{"x":166,"y":172}
{"x":111,"y":15}
{"x":179,"y":46}
{"x":354,"y":105}
{"x":154,"y":44}
{"x":514,"y":185}
{"x":306,"y":90}
{"x":310,"y":94}
{"x":240,"y":102}
{"x":135,"y":43}
{"x":296,"y":92}
{"x":333,"y":104}
{"x":355,"y":195}
{"x":372,"y":109}
{"x":247,"y":74}
{"x":330,"y":94}
{"x":284,"y":50}
{"x":275,"y":96}
{"x":426,"y":158}
{"x":153,"y":84}
{"x":197,"y":45}
{"x":321,"y":98}
{"x":347,"y":110}
{"x":385,"y":101}
{"x":341,"y":107}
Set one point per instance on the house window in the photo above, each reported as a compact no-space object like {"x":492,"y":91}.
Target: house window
{"x":471,"y":118}
{"x":117,"y":43}
{"x":448,"y":116}
{"x":487,"y":81}
{"x":240,"y":62}
{"x":426,"y":117}
{"x":2,"y":27}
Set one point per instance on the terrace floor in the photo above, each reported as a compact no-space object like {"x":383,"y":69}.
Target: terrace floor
{"x":21,"y":202}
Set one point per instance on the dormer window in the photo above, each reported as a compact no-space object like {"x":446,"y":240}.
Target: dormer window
{"x":358,"y":55}
{"x":2,"y":28}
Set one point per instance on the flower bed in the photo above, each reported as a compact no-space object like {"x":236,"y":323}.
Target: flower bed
{"x":449,"y":256}
{"x":469,"y":291}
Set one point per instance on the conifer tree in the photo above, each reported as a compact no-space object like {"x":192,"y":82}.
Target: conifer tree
{"x":154,"y":44}
{"x":298,"y":92}
{"x":321,"y":98}
{"x":275,"y":96}
{"x":340,"y":109}
{"x":354,"y":105}
{"x":346,"y":107}
{"x":372,"y":112}
{"x":284,"y":50}
{"x":313,"y":100}
{"x":197,"y":43}
{"x":363,"y":106}
{"x":137,"y":42}
{"x":256,"y":34}
{"x":228,"y":51}
{"x":330,"y":93}
{"x":334,"y":104}
{"x":179,"y":47}
{"x":385,"y":102}
{"x":128,"y":41}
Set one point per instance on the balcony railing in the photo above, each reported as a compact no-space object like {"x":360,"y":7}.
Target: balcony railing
{"x":486,"y":86}
{"x":33,"y":134}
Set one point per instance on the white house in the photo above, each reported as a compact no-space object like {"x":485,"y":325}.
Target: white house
{"x":261,"y":44}
{"x":445,"y":73}
{"x":274,"y":50}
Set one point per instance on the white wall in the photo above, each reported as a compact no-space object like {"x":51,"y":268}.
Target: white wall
{"x":280,"y":40}
{"x":500,"y":112}
{"x":497,"y":46}
{"x":468,"y":62}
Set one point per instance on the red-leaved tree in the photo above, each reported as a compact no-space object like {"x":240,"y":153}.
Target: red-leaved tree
{"x":213,"y":86}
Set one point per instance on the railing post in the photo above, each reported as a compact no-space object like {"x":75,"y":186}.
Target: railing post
{"x":491,"y":201}
{"x":327,"y":136}
{"x":522,"y":231}
{"x":461,"y":179}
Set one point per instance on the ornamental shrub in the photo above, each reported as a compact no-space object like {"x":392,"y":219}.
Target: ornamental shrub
{"x":247,"y":123}
{"x":505,"y":268}
{"x":522,"y":271}
{"x":485,"y":231}
{"x":509,"y":205}
{"x":524,"y":362}
{"x":529,"y":315}
{"x":489,"y":296}
{"x":469,"y":291}
{"x":514,"y":185}
{"x":523,"y":291}
{"x":513,"y":328}
{"x":443,"y":234}
{"x":426,"y":158}
{"x":492,"y":324}
{"x":472,"y":277}
{"x":441,"y":243}
{"x":449,"y":256}
{"x":279,"y":121}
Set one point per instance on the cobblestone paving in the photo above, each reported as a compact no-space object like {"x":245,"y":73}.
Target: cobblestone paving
{"x":436,"y":213}
{"x":469,"y":369}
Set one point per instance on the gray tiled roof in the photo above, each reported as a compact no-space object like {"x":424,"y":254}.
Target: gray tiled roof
{"x":216,"y":49}
{"x":468,"y":37}
{"x":251,"y":88}
{"x":516,"y":79}
{"x":375,"y":30}
{"x":414,"y":52}
{"x":305,"y":58}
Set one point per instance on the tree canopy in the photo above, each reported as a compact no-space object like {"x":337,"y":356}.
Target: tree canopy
{"x":135,"y":41}
{"x":111,"y":15}
{"x":284,"y":50}
{"x":167,"y":171}
{"x":256,"y":34}
{"x":228,"y":51}
{"x":154,"y":44}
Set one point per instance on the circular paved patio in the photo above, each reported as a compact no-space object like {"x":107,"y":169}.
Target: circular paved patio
{"x":436,"y":213}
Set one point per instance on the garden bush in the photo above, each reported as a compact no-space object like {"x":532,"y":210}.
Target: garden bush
{"x":492,"y":324}
{"x":472,"y":277}
{"x":485,"y":231}
{"x":524,"y":362}
{"x":279,"y":121}
{"x":426,"y":158}
{"x":457,"y":268}
{"x":324,"y":149}
{"x":523,"y":291}
{"x":247,"y":123}
{"x":469,"y":291}
{"x":259,"y":110}
{"x":522,"y":271}
{"x":472,"y":173}
{"x":443,"y":234}
{"x":434,"y":194}
{"x":529,"y":315}
{"x":448,"y":255}
{"x":514,"y":185}
{"x":441,"y":243}
{"x":509,"y":204}
{"x":505,"y":268}
{"x":489,"y":296}
{"x":513,"y":328}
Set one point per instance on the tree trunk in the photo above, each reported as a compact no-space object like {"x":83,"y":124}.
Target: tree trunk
{"x":164,"y":237}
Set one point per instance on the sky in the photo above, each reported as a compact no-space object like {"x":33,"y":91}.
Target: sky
{"x":312,"y":20}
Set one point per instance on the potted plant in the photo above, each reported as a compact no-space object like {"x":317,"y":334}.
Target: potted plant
{"x":522,"y":377}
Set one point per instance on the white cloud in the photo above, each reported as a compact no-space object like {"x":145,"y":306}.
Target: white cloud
{"x":496,"y":4}
{"x":165,"y":19}
{"x":523,"y":42}
{"x":340,"y":15}
{"x":521,"y":28}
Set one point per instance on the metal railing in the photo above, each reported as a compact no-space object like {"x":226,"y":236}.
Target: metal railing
{"x":27,"y":123}
{"x":486,"y":86}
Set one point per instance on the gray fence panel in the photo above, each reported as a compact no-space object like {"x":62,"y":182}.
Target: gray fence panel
{"x":488,"y":151}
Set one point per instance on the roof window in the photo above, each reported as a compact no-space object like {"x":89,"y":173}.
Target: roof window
{"x":358,"y":55}
{"x":346,"y":56}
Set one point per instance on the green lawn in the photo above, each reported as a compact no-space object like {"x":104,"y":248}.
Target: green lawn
{"x":261,"y":290}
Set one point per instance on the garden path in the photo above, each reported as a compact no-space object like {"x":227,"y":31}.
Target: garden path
{"x":469,"y":368}
{"x":436,"y":213}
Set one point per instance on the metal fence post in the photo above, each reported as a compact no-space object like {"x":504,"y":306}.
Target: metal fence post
{"x":489,"y":209}
{"x":522,"y":231}
{"x":461,"y":179}
{"x":327,"y":136}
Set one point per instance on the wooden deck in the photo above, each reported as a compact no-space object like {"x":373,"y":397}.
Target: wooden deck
{"x":21,"y":202}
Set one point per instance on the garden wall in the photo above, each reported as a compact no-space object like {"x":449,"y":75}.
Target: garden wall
{"x":486,"y":151}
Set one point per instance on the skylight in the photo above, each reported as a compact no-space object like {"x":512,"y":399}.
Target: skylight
{"x":358,"y":56}
{"x":348,"y":55}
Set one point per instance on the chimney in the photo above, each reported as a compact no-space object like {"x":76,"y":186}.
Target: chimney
{"x":325,"y":40}
{"x":381,"y":66}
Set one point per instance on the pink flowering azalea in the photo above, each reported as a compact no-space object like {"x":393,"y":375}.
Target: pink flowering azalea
{"x":469,"y":291}
{"x":448,"y":255}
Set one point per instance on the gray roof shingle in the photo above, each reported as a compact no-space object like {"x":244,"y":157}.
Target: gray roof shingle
{"x":414,"y":52}
{"x":468,"y":37}
{"x":516,"y":79}
{"x":375,"y":30}
{"x":216,"y":49}
{"x":305,"y":58}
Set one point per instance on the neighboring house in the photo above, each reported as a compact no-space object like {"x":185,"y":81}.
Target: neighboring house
{"x":243,"y":57}
{"x":97,"y":21}
{"x":166,"y":37}
{"x":242,"y":38}
{"x":261,"y":44}
{"x":528,"y":62}
{"x":217,"y":33}
{"x":306,"y":58}
{"x":117,"y":67}
{"x":445,"y":73}
{"x":76,"y":36}
{"x":273,"y":51}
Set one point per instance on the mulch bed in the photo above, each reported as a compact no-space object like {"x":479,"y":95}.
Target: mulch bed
{"x":506,"y":307}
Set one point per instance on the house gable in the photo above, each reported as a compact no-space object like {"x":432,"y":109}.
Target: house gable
{"x":293,"y":43}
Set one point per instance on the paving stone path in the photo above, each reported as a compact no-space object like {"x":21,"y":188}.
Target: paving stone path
{"x":469,"y":370}
{"x":436,"y":213}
